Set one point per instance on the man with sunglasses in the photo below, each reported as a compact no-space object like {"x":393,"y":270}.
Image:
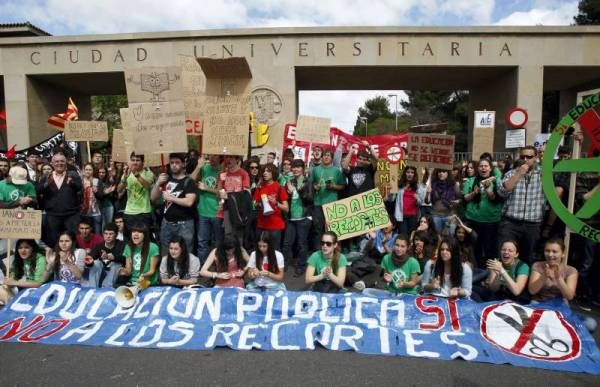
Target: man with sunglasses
{"x":524,"y":204}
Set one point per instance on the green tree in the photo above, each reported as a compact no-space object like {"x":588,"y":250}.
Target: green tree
{"x":589,"y":13}
{"x":107,"y":108}
{"x":373,"y":109}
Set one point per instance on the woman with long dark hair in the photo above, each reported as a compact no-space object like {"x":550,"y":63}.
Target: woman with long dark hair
{"x":271,"y":201}
{"x":266,"y":265}
{"x":230,"y":261}
{"x":447,"y":276}
{"x":443,"y":196}
{"x":107,"y":200}
{"x":142,"y":256}
{"x":408,"y":200}
{"x":65,"y":262}
{"x":93,"y":191}
{"x":28,"y":265}
{"x":179,"y":267}
{"x":326,"y":270}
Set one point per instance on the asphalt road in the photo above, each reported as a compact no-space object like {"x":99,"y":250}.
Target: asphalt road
{"x":38,"y":364}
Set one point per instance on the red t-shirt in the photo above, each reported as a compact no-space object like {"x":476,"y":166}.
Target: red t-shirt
{"x":275,"y":194}
{"x":232,"y":182}
{"x":409,"y":203}
{"x":94,"y":240}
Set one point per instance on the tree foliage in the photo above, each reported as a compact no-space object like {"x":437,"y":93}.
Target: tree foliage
{"x":589,"y":13}
{"x":107,"y":108}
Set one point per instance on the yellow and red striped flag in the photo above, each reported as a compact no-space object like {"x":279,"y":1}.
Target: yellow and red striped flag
{"x":58,"y":120}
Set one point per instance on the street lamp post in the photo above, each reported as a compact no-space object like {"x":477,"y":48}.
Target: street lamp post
{"x":364,"y":121}
{"x":395,"y":108}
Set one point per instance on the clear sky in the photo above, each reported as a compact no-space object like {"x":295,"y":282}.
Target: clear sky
{"x":76,"y":17}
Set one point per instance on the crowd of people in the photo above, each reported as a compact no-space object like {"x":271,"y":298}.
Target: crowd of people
{"x":481,"y":230}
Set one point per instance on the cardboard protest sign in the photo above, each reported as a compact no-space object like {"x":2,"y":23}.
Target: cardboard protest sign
{"x":153,"y":84}
{"x":119,"y":151}
{"x":431,"y":150}
{"x":515,"y":138}
{"x":387,"y":174}
{"x":313,"y":129}
{"x":86,"y":131}
{"x":226,"y":125}
{"x":155,"y":128}
{"x":356,"y":215}
{"x":483,"y":132}
{"x":194,"y":87}
{"x":20,"y":224}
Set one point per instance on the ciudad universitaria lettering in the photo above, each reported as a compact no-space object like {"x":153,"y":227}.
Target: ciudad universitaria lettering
{"x":358,"y":48}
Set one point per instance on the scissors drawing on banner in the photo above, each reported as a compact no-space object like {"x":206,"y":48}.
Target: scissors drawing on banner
{"x":539,"y":346}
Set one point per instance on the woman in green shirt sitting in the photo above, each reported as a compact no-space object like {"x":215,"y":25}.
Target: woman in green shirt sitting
{"x":142,"y":257}
{"x":28,"y":266}
{"x":326,"y":270}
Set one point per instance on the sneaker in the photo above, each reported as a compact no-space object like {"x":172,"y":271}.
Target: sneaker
{"x":359,"y":285}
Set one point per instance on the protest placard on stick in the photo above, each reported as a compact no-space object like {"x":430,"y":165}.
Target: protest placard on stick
{"x":430,"y":150}
{"x":313,"y":129}
{"x":20,"y":224}
{"x":153,"y":84}
{"x":226,"y":125}
{"x":356,"y":215}
{"x":86,"y":131}
{"x":483,"y":132}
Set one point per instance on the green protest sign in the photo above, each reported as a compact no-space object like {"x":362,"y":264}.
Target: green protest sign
{"x":356,"y":215}
{"x":586,"y":116}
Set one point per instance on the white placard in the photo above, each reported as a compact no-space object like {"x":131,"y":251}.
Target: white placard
{"x":515,"y":138}
{"x":484,"y":119}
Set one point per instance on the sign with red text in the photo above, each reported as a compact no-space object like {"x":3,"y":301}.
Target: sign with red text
{"x":20,"y":224}
{"x":431,"y":150}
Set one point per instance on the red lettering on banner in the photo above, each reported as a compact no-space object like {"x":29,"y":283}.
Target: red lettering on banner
{"x":60,"y":325}
{"x":15,"y":327}
{"x":433,"y":309}
{"x":454,"y":320}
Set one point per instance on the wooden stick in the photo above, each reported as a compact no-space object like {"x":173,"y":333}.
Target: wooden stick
{"x":8,"y":244}
{"x":89,"y":152}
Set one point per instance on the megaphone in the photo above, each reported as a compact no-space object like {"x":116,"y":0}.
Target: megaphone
{"x":126,"y":295}
{"x":267,"y":209}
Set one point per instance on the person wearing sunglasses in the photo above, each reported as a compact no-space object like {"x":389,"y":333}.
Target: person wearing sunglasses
{"x":524,"y":201}
{"x":326,"y":270}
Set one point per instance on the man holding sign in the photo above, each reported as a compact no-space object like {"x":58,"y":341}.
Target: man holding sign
{"x":138,"y":182}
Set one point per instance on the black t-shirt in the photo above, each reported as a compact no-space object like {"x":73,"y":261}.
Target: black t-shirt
{"x":117,"y":251}
{"x":179,"y":188}
{"x":360,"y":179}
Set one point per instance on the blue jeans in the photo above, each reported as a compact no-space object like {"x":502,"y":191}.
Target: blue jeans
{"x":296,"y":233}
{"x":107,"y":214}
{"x":440,"y":223}
{"x":184,"y":229}
{"x":209,"y":234}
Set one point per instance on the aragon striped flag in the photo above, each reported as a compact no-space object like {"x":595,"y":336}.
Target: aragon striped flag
{"x":58,"y":120}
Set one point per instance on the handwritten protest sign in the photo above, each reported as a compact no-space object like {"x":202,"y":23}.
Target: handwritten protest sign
{"x":483,"y":132}
{"x":430,"y":150}
{"x":155,"y":128}
{"x":226,"y":125}
{"x":387,"y":175}
{"x":119,"y":151}
{"x":313,"y":129}
{"x":356,"y":215}
{"x":86,"y":131}
{"x":20,"y":224}
{"x":194,"y":86}
{"x":153,"y":84}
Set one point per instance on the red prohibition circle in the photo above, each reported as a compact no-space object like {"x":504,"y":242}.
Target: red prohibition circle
{"x":517,"y":118}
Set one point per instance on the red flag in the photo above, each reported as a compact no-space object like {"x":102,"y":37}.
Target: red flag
{"x":11,"y":153}
{"x":58,"y":120}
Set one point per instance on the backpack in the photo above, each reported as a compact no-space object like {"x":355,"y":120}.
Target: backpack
{"x":239,"y":205}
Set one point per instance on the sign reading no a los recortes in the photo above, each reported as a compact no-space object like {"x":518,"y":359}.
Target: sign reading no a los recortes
{"x":430,"y":150}
{"x":357,"y":214}
{"x":20,"y":224}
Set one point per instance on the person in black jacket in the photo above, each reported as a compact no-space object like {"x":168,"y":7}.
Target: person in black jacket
{"x":108,"y":259}
{"x":61,"y":190}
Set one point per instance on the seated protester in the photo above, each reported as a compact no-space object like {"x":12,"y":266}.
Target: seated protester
{"x":179,"y":267}
{"x":28,"y":265}
{"x":230,"y":261}
{"x":120,"y":223}
{"x":553,"y":278}
{"x":447,"y":276}
{"x":507,"y":279}
{"x":108,"y":259}
{"x":269,"y":275}
{"x":426,"y":224}
{"x":142,"y":257}
{"x":401,"y":271}
{"x":421,"y":248}
{"x":379,"y":243}
{"x":326,"y":270}
{"x":65,"y":262}
{"x":466,"y":238}
{"x":86,"y":239}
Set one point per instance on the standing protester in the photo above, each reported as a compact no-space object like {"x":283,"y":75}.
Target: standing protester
{"x":361,"y":177}
{"x":61,"y":190}
{"x":327,"y":180}
{"x":107,"y":200}
{"x":443,"y":196}
{"x":270,"y":194}
{"x":233,"y":182}
{"x":137,"y":181}
{"x":523,"y":209}
{"x":97,"y":160}
{"x":33,"y":159}
{"x":408,"y":200}
{"x":93,"y":191}
{"x":210,"y":228}
{"x":179,"y":196}
{"x":4,"y":168}
{"x":16,"y":191}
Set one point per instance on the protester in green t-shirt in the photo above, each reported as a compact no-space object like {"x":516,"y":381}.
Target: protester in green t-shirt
{"x":16,"y":191}
{"x":326,"y":270}
{"x":138,"y":181}
{"x":28,"y":265}
{"x":142,"y":257}
{"x":400,"y":271}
